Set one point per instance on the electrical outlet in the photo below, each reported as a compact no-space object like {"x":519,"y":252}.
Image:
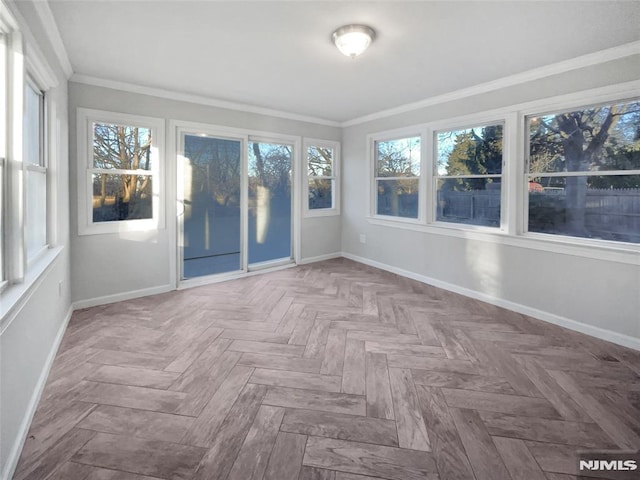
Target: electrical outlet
{"x":363,"y":238}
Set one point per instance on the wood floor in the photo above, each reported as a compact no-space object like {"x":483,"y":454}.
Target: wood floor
{"x":331,"y":371}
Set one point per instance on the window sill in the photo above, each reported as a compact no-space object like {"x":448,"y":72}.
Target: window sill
{"x":16,"y":295}
{"x":321,"y":212}
{"x":596,"y":249}
{"x":391,"y":221}
{"x":121,"y":226}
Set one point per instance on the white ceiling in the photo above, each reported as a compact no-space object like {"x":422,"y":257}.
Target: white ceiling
{"x":278,"y":55}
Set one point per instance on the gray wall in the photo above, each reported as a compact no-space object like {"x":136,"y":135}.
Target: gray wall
{"x":30,"y":339}
{"x":114,"y":264}
{"x":596,"y":293}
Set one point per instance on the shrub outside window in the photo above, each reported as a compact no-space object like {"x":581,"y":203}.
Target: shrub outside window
{"x":583,"y":172}
{"x":396,"y":177}
{"x":468,"y":175}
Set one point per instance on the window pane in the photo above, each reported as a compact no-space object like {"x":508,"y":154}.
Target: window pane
{"x":320,"y":193}
{"x":33,"y":126}
{"x":602,"y":207}
{"x":472,"y":201}
{"x":1,"y":218}
{"x":591,"y":139}
{"x":398,"y":198}
{"x":36,"y":222}
{"x":212,"y":218}
{"x":471,"y":151}
{"x":121,"y":197}
{"x":398,"y":158}
{"x":121,"y":147}
{"x":320,"y":161}
{"x":269,"y":202}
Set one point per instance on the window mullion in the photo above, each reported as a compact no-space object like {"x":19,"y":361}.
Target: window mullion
{"x":118,"y":171}
{"x":512,"y":167}
{"x":428,"y":167}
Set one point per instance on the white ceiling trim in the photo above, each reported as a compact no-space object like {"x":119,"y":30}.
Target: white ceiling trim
{"x":199,"y":99}
{"x":602,"y":56}
{"x":53,"y":34}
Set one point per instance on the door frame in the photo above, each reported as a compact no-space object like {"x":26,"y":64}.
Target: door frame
{"x":176,"y":129}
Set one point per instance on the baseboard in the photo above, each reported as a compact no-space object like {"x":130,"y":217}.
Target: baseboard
{"x":14,"y":454}
{"x":319,"y":258}
{"x":601,"y":333}
{"x":120,"y":297}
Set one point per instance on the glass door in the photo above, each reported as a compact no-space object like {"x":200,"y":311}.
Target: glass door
{"x":269,"y":203}
{"x":212,"y":215}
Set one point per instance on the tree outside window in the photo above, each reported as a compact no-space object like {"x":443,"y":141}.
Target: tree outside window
{"x":585,"y":169}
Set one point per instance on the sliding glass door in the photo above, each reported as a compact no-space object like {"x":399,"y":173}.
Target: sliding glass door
{"x":236,"y":196}
{"x":212,"y":174}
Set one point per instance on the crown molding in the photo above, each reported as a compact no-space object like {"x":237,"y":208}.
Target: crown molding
{"x":198,"y":99}
{"x":590,"y":59}
{"x":43,"y":10}
{"x":599,"y":57}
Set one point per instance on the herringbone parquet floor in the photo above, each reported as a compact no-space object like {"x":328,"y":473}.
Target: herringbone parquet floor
{"x":328,"y":371}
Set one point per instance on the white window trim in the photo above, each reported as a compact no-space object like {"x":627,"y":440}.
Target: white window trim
{"x":512,"y":231}
{"x":85,"y":119}
{"x":4,"y":80}
{"x":335,"y":168}
{"x":419,"y":131}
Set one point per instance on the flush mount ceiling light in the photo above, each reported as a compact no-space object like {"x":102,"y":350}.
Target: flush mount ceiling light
{"x":352,"y":40}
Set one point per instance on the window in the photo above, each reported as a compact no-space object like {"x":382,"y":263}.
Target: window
{"x":396,"y":177}
{"x":121,"y":181}
{"x":583,"y":172}
{"x":323,"y":190}
{"x":26,"y":200}
{"x":468,"y":175}
{"x":34,"y":161}
{"x":4,"y":73}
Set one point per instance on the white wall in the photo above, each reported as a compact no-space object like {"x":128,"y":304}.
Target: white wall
{"x":598,"y":294}
{"x":32,"y":329}
{"x":113,"y":265}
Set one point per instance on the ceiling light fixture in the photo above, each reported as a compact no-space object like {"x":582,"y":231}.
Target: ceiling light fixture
{"x":352,"y":40}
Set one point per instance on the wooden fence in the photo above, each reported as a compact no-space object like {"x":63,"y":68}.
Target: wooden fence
{"x":609,"y":214}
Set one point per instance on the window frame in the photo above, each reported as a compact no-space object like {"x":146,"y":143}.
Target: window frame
{"x":24,"y":63}
{"x":527,"y":175}
{"x":86,"y":118}
{"x":41,"y":168}
{"x":335,"y":178}
{"x":469,"y":123}
{"x":397,"y":134}
{"x":4,"y":92}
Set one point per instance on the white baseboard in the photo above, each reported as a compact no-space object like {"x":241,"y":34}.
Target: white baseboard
{"x":319,"y":258}
{"x":120,"y":297}
{"x":608,"y":335}
{"x":16,"y":449}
